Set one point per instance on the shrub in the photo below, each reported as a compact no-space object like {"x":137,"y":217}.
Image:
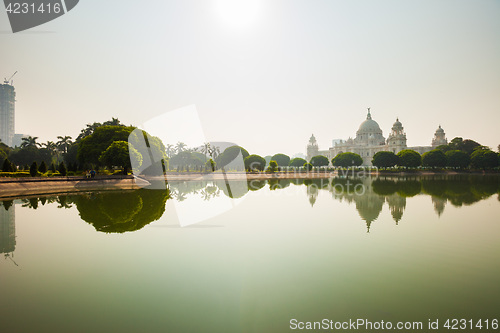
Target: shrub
{"x":297,"y":162}
{"x":273,"y":166}
{"x":281,"y":159}
{"x":43,"y":167}
{"x":385,"y":159}
{"x":434,"y":158}
{"x":319,"y":161}
{"x":254,"y":162}
{"x":62,"y":169}
{"x":347,"y":160}
{"x":34,"y":169}
{"x":308,"y":166}
{"x":409,"y":158}
{"x":457,"y":159}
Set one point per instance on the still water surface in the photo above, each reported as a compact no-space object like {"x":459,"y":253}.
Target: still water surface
{"x":196,"y":260}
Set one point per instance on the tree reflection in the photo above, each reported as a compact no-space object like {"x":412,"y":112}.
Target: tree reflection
{"x":118,"y":212}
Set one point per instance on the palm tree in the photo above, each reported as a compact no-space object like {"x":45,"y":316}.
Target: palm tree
{"x":63,"y":143}
{"x":170,"y":150}
{"x":180,"y":147}
{"x":113,"y":122}
{"x":205,"y":149}
{"x":214,"y":152}
{"x":52,"y":148}
{"x":30,"y":141}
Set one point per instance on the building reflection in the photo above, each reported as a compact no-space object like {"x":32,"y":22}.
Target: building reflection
{"x":8,"y":229}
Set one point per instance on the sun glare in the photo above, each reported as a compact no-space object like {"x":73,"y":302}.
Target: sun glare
{"x":238,"y":13}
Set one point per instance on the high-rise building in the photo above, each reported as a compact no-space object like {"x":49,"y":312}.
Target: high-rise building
{"x":7,"y":113}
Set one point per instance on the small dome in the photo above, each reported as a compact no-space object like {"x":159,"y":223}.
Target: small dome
{"x":397,"y":123}
{"x":440,"y":130}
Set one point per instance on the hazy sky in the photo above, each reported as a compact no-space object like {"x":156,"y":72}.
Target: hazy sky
{"x":263,"y":74}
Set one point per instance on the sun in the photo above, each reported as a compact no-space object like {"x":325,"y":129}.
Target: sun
{"x":238,"y":13}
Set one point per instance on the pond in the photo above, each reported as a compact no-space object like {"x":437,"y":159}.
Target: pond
{"x":259,"y":256}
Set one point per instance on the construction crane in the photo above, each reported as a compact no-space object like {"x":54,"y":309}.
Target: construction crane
{"x":10,"y":78}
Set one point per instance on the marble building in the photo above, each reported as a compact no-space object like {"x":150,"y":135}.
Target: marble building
{"x":369,"y":140}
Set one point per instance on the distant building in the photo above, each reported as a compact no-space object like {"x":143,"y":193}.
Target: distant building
{"x":7,"y":229}
{"x":369,"y":140}
{"x":18,"y":139}
{"x":7,"y":113}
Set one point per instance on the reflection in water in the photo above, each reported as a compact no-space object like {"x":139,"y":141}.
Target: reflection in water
{"x":118,"y":212}
{"x":8,"y":229}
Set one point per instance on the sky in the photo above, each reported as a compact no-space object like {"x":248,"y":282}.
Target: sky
{"x":262,"y":74}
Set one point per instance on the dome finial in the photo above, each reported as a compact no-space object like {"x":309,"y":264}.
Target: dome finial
{"x":369,"y":116}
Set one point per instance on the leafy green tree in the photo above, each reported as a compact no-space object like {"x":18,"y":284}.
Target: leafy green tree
{"x":273,"y":166}
{"x":483,"y":158}
{"x":92,"y":146}
{"x":26,"y":155}
{"x":43,"y":167}
{"x":33,"y":169}
{"x":254,"y":163}
{"x":120,"y":154}
{"x":52,"y":167}
{"x":319,"y":161}
{"x":3,"y":155}
{"x":347,"y":160}
{"x":62,"y":169}
{"x":6,"y":167}
{"x":281,"y":159}
{"x":308,"y":166}
{"x":297,"y":162}
{"x":228,"y":157}
{"x":385,"y":159}
{"x":210,"y":165}
{"x":457,"y":159}
{"x":409,"y":158}
{"x":434,"y":158}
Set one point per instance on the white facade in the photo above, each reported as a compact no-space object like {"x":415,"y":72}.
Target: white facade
{"x":370,"y":140}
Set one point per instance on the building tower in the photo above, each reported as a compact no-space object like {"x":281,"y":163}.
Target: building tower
{"x":7,"y":112}
{"x":397,"y":139}
{"x":439,"y":138}
{"x":312,"y":148}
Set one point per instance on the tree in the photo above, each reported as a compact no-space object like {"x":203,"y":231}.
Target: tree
{"x":434,"y":158}
{"x":169,"y":149}
{"x":484,"y":158}
{"x":30,"y":141}
{"x":43,"y":167}
{"x":228,"y":157}
{"x":180,"y":147}
{"x":210,"y":165}
{"x":347,"y":160}
{"x":92,"y":146}
{"x":385,"y":159}
{"x":273,"y":166}
{"x":62,"y":169}
{"x":254,"y":163}
{"x":308,"y":166}
{"x":63,"y":144}
{"x":26,"y":155}
{"x":6,"y":167}
{"x":281,"y":159}
{"x":33,"y":169}
{"x":297,"y":162}
{"x":319,"y":161}
{"x":121,"y":154}
{"x":52,"y":167}
{"x":409,"y":158}
{"x":457,"y":159}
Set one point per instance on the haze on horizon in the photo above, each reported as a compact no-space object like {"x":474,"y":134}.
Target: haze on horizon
{"x":263,"y":74}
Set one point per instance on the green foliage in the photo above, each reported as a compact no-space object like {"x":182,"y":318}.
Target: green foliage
{"x":3,"y":155}
{"x":120,"y":154}
{"x":385,"y":159}
{"x":346,"y":160}
{"x":122,"y":212}
{"x":228,"y":157}
{"x":52,"y":167}
{"x":319,"y":161}
{"x":457,"y":159}
{"x":26,"y":155}
{"x":33,"y":169}
{"x":186,"y":158}
{"x":6,"y":167}
{"x":484,"y":159}
{"x":62,"y":169}
{"x":281,"y":159}
{"x":210,"y":165}
{"x":15,"y":174}
{"x":466,"y":145}
{"x":254,"y":163}
{"x":308,"y":166}
{"x":434,"y":158}
{"x":273,"y":166}
{"x":43,"y":167}
{"x":409,"y":158}
{"x":297,"y":162}
{"x":92,"y":146}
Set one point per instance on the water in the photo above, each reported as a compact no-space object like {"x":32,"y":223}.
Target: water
{"x":144,"y":261}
